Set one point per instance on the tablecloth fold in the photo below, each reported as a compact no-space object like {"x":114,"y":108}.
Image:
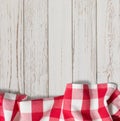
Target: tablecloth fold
{"x":80,"y":102}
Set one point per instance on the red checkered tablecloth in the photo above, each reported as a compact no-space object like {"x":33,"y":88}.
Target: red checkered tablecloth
{"x":80,"y":102}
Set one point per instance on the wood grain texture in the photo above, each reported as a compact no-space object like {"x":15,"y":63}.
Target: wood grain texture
{"x":45,"y":44}
{"x":84,"y":40}
{"x":108,"y":44}
{"x":60,"y":40}
{"x":35,"y":48}
{"x":11,"y":45}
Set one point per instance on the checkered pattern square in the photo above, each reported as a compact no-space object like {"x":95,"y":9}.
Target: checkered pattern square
{"x":80,"y":102}
{"x":47,"y":109}
{"x":8,"y":106}
{"x":91,"y":102}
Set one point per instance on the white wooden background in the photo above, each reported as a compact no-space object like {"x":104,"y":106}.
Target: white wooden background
{"x":45,"y":44}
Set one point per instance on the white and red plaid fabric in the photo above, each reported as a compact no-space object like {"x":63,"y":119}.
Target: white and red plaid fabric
{"x":8,"y":106}
{"x":80,"y":102}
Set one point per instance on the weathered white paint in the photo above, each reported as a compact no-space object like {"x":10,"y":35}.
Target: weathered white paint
{"x":84,"y":40}
{"x":11,"y":45}
{"x":45,"y":44}
{"x":35,"y":48}
{"x":60,"y":48}
{"x":108,"y":40}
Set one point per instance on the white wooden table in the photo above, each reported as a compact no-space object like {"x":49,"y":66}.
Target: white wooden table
{"x":45,"y":44}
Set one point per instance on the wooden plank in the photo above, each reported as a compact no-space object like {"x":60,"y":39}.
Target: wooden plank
{"x":60,"y":51}
{"x":35,"y":48}
{"x":84,"y":41}
{"x":108,"y":31}
{"x":11,"y":45}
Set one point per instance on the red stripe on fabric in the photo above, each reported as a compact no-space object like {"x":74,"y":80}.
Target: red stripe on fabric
{"x":116,"y":116}
{"x":68,"y":92}
{"x":37,"y":109}
{"x":56,"y":110}
{"x":113,"y":96}
{"x":101,"y":95}
{"x":102,"y":91}
{"x":67,"y":102}
{"x":20,"y":97}
{"x":15,"y":109}
{"x":85,"y":111}
{"x":1,"y":107}
{"x":116,"y":93}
